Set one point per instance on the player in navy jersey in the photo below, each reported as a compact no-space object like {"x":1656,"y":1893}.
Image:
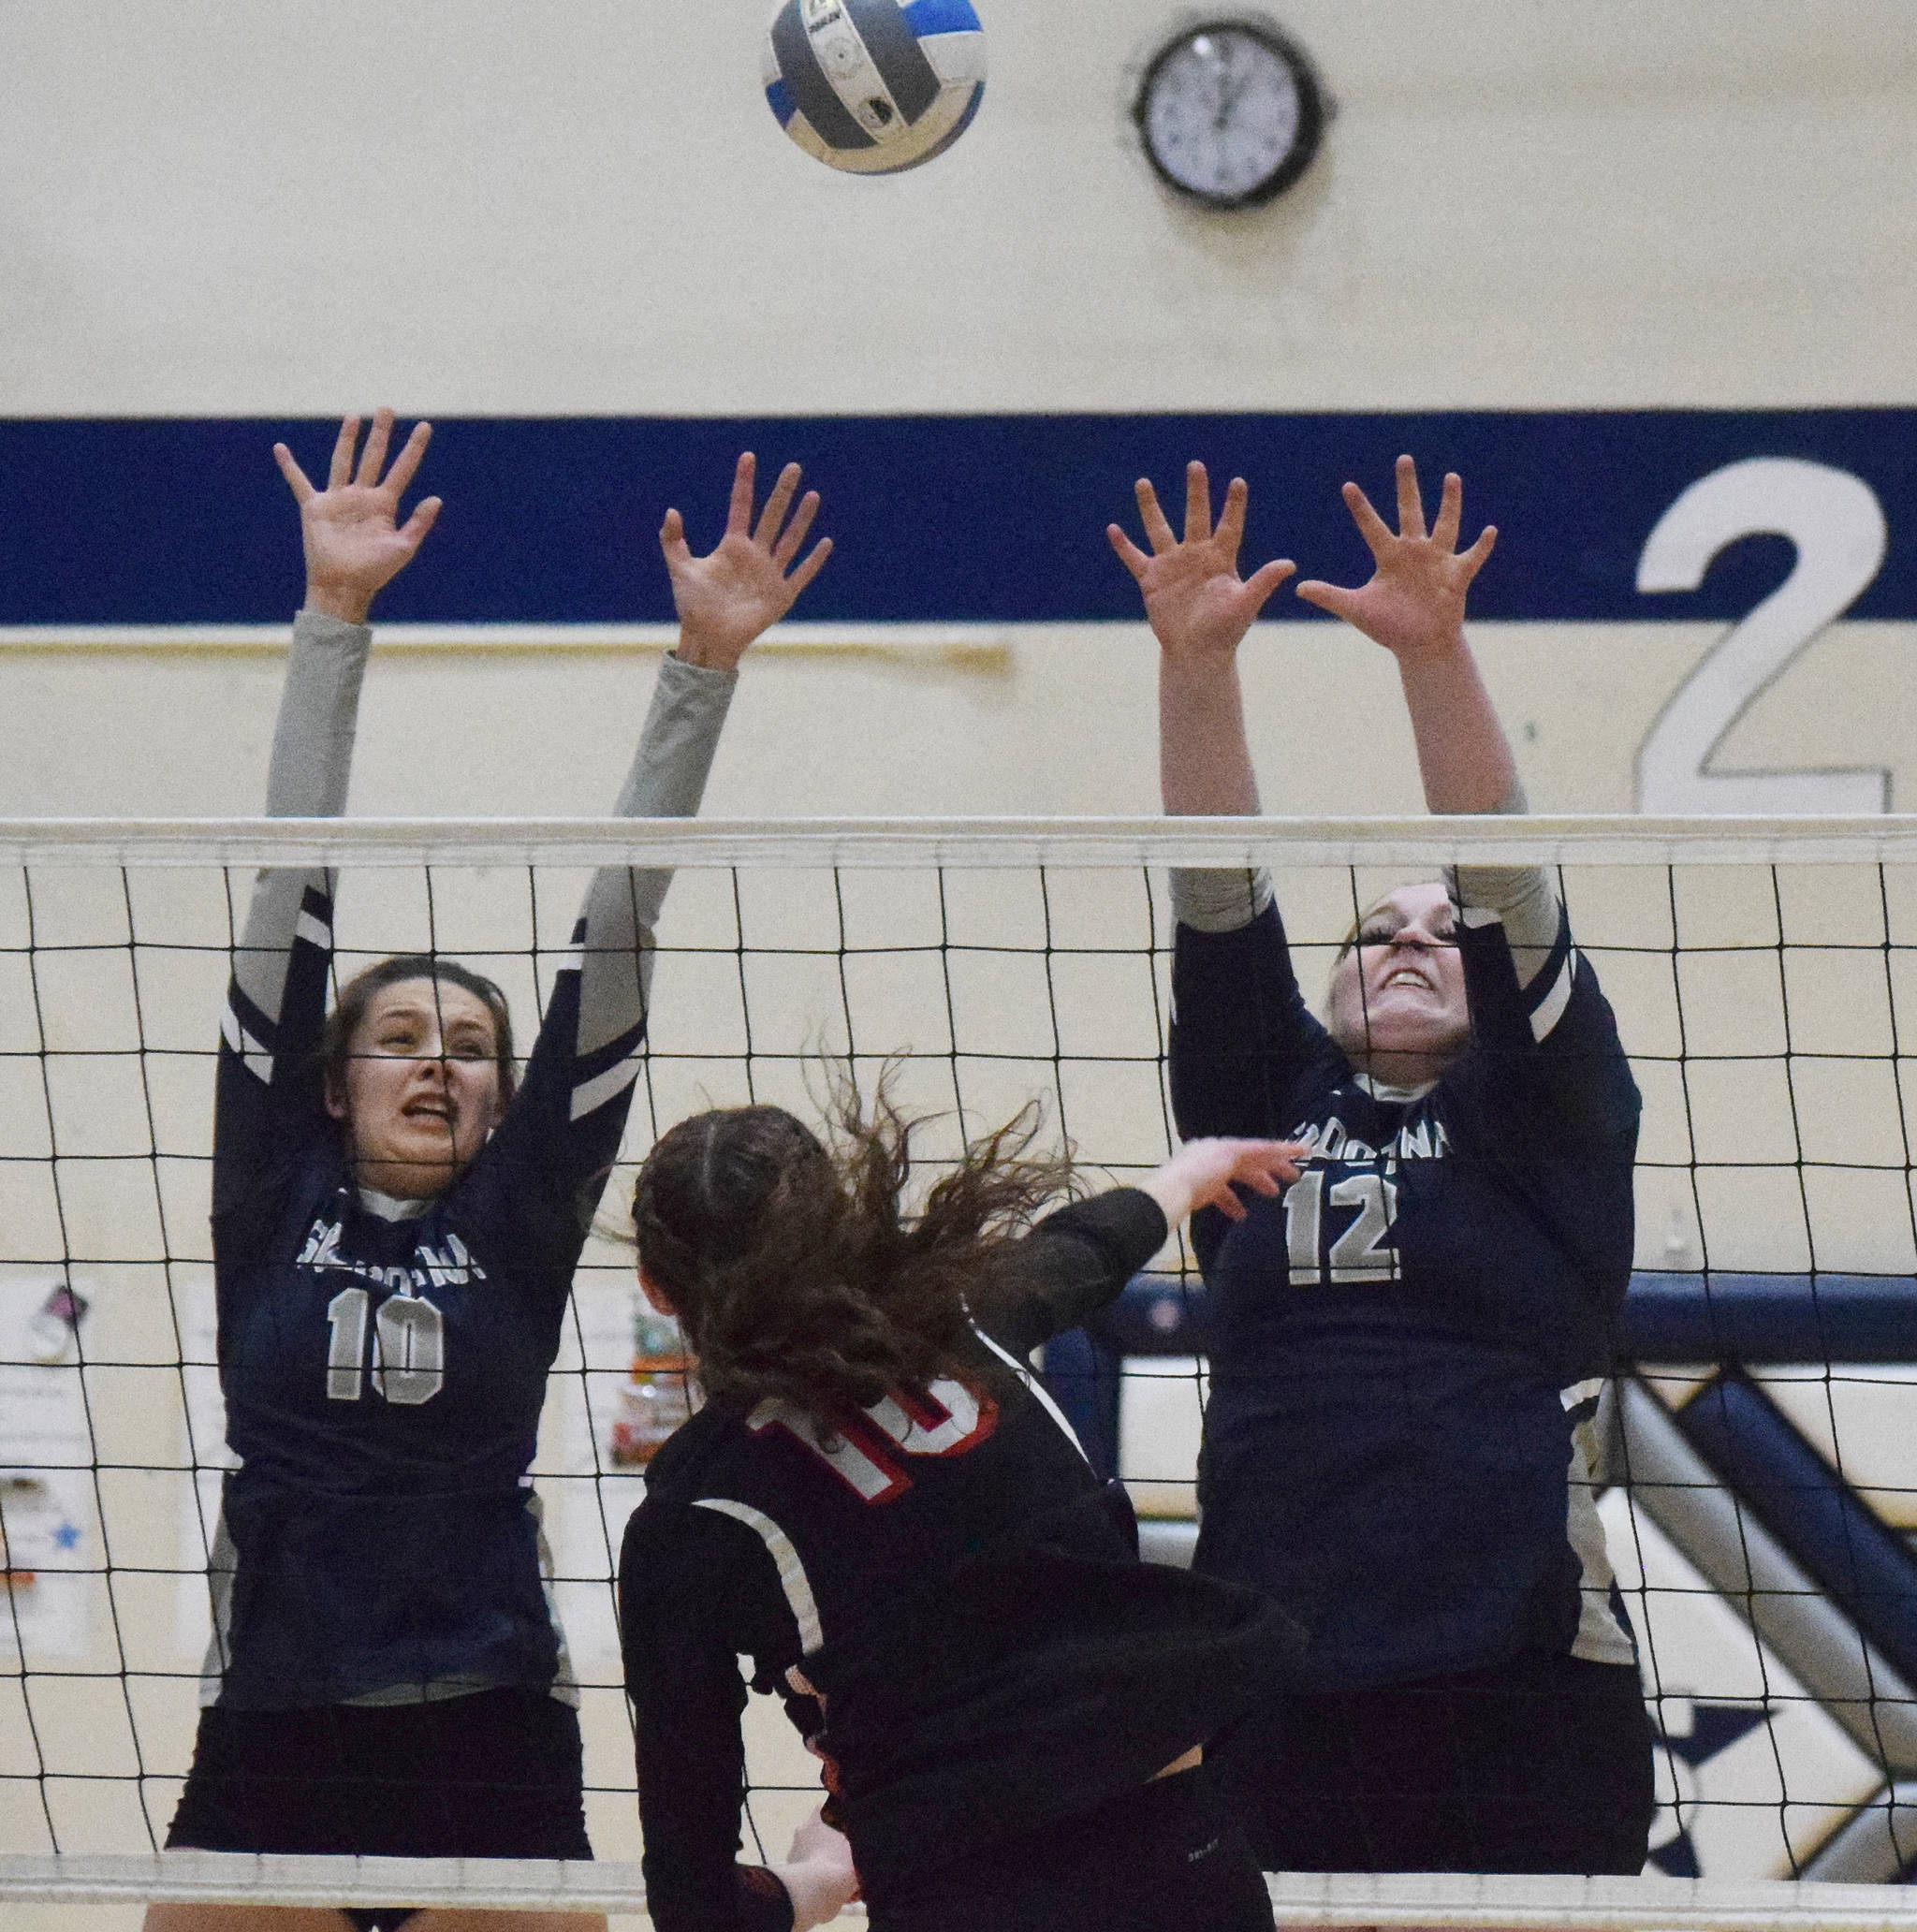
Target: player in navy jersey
{"x":1409,"y":1346}
{"x":880,"y":1508}
{"x":397,"y":1215}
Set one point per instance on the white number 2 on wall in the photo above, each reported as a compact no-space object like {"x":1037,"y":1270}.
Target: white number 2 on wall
{"x":1837,"y":525}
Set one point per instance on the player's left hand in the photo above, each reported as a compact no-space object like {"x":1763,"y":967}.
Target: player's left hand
{"x":1204,"y":1173}
{"x":1415,"y":603}
{"x":748,"y":583}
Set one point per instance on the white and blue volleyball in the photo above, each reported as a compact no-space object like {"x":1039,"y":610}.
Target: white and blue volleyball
{"x":875,"y":86}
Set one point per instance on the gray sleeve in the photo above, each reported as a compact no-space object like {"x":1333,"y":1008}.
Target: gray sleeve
{"x":1221,"y":900}
{"x":667,"y":779}
{"x":1520,"y":896}
{"x":312,"y":761}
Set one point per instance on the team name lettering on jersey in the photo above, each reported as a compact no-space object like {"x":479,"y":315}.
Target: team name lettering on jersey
{"x":449,"y":1265}
{"x":864,"y":1447}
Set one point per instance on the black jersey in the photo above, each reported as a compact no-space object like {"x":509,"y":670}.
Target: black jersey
{"x":1406,"y":1345}
{"x":949,"y":1577}
{"x":383,"y":1364}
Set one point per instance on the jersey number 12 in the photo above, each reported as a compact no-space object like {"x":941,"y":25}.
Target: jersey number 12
{"x":1358,"y":1254}
{"x":409,"y":1331}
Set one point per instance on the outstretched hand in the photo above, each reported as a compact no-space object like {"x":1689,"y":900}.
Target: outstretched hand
{"x":1204,"y":1173}
{"x":1197,"y":607}
{"x":1415,"y":603}
{"x":354,"y":540}
{"x":748,"y":583}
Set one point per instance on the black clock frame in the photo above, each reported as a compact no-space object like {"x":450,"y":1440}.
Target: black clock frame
{"x":1314,"y":111}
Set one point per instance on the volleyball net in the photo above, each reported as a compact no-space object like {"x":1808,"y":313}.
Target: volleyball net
{"x":1757,"y":1469}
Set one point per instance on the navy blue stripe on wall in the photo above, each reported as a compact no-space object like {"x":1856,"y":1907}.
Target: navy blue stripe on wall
{"x":938,"y":519}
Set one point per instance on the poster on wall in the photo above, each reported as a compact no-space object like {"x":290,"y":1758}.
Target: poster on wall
{"x":50,"y":1543}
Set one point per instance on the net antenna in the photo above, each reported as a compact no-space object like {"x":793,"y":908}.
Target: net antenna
{"x":1755,"y":1477}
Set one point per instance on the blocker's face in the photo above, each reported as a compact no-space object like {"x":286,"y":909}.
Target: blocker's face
{"x":1397,"y":998}
{"x":421,"y":1091}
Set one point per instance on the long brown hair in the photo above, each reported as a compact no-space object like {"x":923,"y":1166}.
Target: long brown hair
{"x":795,"y":1268}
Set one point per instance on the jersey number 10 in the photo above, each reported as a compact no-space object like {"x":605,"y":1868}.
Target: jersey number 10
{"x":409,"y":1364}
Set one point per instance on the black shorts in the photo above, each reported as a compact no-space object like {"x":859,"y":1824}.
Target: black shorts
{"x":497,"y":1774}
{"x":1539,"y":1766}
{"x":1165,"y":1858}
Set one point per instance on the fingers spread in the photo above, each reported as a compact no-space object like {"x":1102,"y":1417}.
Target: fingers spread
{"x":1158,"y":532}
{"x":738,"y":515}
{"x":1266,"y":581}
{"x":1411,"y":504}
{"x":425,"y":515}
{"x":407,"y":463}
{"x":1329,"y":597}
{"x":1231,"y":526}
{"x":810,"y":567}
{"x":1197,"y":503}
{"x":672,"y":535}
{"x":341,"y":469}
{"x":1473,"y":559}
{"x":1371,"y":526}
{"x":795,"y":534}
{"x":296,"y":477}
{"x":373,"y":457}
{"x":1130,"y":555}
{"x":776,"y":507}
{"x":1450,"y":513}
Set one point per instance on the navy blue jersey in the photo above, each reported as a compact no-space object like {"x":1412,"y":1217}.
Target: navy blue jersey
{"x":383,"y":1363}
{"x":1407,"y":1343}
{"x":383,"y":1378}
{"x":977,"y":1649}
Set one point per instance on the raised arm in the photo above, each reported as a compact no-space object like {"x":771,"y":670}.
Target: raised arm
{"x":725,"y":601}
{"x":1415,"y":607}
{"x":355,"y":545}
{"x":1077,"y":1258}
{"x":570,"y":1112}
{"x":1199,"y":610}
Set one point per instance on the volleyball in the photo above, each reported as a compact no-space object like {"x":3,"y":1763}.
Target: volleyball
{"x":875,"y":86}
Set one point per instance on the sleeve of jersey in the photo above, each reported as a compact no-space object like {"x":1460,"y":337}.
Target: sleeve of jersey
{"x":269,"y":1033}
{"x":570,"y":1113}
{"x":688,"y":1580}
{"x":1549,"y":1044}
{"x":1073,"y":1262}
{"x":1240,"y":1030}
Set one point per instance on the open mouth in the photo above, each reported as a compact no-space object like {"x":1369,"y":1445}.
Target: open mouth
{"x":1407,"y":977}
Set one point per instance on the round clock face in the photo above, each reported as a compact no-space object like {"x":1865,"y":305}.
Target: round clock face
{"x":1231,"y":114}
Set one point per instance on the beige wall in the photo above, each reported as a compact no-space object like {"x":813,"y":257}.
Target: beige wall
{"x":212,"y":208}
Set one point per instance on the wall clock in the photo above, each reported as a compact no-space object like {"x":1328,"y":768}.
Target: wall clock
{"x":1231,"y":113}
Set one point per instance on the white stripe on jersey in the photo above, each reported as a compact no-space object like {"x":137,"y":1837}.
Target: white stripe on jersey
{"x":590,"y":1095}
{"x":314,"y":931}
{"x":1550,"y":1009}
{"x":253,"y":1056}
{"x":1037,"y":1388}
{"x":1580,"y":1393}
{"x":792,"y":1577}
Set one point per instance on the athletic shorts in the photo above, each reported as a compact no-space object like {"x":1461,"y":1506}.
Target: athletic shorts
{"x":1539,"y":1766}
{"x":1165,"y":1858}
{"x":497,"y":1774}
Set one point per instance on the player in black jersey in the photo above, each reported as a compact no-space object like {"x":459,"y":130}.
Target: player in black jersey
{"x":1409,"y":1346}
{"x":881,"y":1509}
{"x":397,"y":1215}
